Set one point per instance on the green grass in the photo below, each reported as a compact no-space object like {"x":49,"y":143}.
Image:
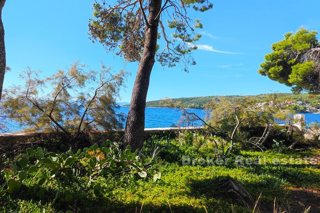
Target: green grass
{"x":180,"y":189}
{"x":193,"y":186}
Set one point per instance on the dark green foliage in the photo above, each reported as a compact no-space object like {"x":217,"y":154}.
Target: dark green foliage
{"x":295,"y":61}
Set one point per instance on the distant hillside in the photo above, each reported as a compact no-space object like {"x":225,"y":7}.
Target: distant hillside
{"x":200,"y":102}
{"x":192,"y":102}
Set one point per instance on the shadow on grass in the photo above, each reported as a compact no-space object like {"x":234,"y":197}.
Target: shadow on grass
{"x":272,"y":181}
{"x":269,"y":188}
{"x":302,"y":179}
{"x":79,"y":201}
{"x":297,"y":175}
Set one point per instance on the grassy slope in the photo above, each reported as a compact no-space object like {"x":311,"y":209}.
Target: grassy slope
{"x":192,"y":188}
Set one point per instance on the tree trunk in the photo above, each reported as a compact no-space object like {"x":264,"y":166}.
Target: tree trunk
{"x":2,"y":49}
{"x":134,"y":132}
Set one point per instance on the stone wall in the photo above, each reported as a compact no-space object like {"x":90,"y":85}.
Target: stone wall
{"x":22,"y":140}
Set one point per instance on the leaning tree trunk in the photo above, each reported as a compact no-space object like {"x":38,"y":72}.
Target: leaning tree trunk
{"x":134,"y":132}
{"x":2,"y":49}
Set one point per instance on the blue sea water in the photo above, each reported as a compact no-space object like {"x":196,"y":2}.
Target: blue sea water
{"x":156,"y":117}
{"x":161,"y":117}
{"x":312,"y":118}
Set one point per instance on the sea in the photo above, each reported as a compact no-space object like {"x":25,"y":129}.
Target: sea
{"x":156,"y":117}
{"x":163,"y":117}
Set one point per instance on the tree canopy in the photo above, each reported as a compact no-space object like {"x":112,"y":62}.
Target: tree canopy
{"x":121,"y":26}
{"x":295,"y":61}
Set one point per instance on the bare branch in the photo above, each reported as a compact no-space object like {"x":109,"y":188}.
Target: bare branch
{"x":58,"y":93}
{"x":161,"y":10}
{"x":168,"y":42}
{"x":233,"y":134}
{"x":236,"y":127}
{"x":259,"y":141}
{"x":155,"y":152}
{"x":144,"y":14}
{"x":37,"y":105}
{"x":88,"y":106}
{"x":215,"y":131}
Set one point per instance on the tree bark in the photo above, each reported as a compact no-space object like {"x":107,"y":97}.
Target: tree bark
{"x":2,"y":49}
{"x":134,"y":131}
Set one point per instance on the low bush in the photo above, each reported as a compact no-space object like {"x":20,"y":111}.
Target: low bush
{"x":72,"y":176}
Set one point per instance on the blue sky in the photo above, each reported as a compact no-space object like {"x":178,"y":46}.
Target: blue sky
{"x":51,"y":35}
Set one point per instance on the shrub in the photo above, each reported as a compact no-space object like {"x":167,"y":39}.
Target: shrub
{"x":72,"y":102}
{"x":250,"y":122}
{"x":94,"y":171}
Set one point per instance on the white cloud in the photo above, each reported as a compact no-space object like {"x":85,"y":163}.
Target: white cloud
{"x":209,"y":35}
{"x":210,"y":48}
{"x":205,"y":47}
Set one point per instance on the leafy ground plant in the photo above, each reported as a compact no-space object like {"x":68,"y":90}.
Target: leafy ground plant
{"x":68,"y":178}
{"x":106,"y":179}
